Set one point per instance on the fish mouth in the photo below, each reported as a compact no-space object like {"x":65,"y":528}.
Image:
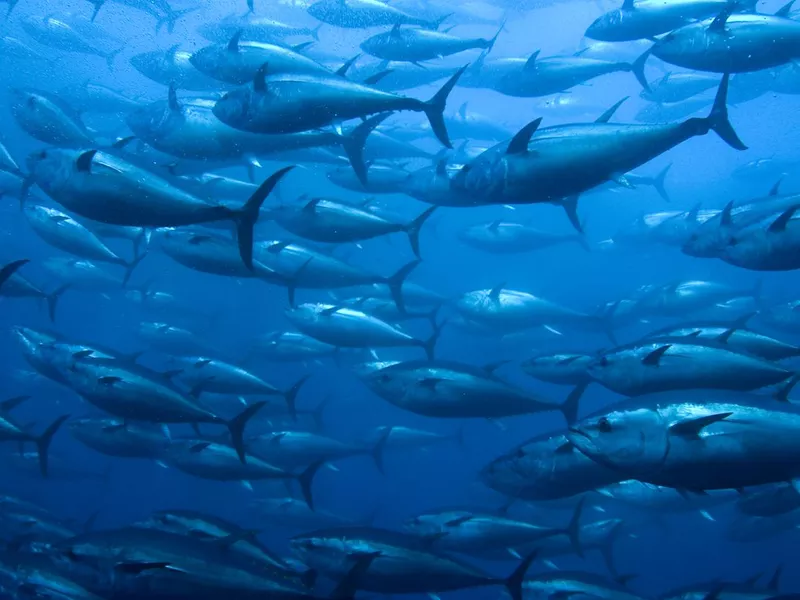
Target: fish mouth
{"x":576,"y":431}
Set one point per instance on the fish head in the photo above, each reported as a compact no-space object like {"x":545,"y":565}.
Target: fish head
{"x":386,"y":383}
{"x":234,"y":107}
{"x":321,"y":10}
{"x":484,"y":176}
{"x":708,"y":242}
{"x":604,"y":26}
{"x":425,"y":525}
{"x":150,"y":121}
{"x":30,"y":340}
{"x":674,"y":46}
{"x":300,"y":314}
{"x":52,"y":168}
{"x":144,"y":62}
{"x":79,"y":551}
{"x":601,"y":530}
{"x":613,"y":366}
{"x":633,"y":440}
{"x":373,"y":44}
{"x":211,"y":59}
{"x":311,"y":549}
{"x":26,"y":104}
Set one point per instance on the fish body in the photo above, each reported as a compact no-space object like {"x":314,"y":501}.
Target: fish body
{"x":174,"y":67}
{"x":547,"y":467}
{"x":414,"y":44}
{"x":675,"y":364}
{"x":701,"y":440}
{"x":49,"y":119}
{"x":740,"y":43}
{"x":450,"y":389}
{"x":362,"y":14}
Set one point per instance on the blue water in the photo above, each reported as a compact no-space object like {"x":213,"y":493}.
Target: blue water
{"x":683,"y":549}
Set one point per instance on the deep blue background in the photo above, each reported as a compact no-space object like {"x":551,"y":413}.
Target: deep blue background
{"x":694,"y":549}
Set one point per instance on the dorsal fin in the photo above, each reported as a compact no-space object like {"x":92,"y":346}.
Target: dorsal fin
{"x":692,"y":427}
{"x":302,"y":46}
{"x":606,"y":116}
{"x":493,"y":366}
{"x":311,"y":206}
{"x":531,"y":62}
{"x":692,"y":215}
{"x":84,"y":162}
{"x":494,"y":293}
{"x":395,"y":30}
{"x":260,"y":80}
{"x":441,"y":167}
{"x":784,"y":10}
{"x":718,"y":24}
{"x":170,"y":54}
{"x":342,"y":71}
{"x":627,"y":5}
{"x":776,"y":189}
{"x":774,"y":583}
{"x":725,"y":218}
{"x":779,"y":224}
{"x":494,"y":225}
{"x":654,"y":358}
{"x":373,"y":79}
{"x":172,"y":98}
{"x":519,"y":143}
{"x":233,"y":44}
{"x":462,"y":110}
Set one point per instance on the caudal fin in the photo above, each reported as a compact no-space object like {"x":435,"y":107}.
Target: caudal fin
{"x":143,"y":239}
{"x":350,"y":584}
{"x":570,"y":206}
{"x":718,"y":121}
{"x":396,"y":281}
{"x":515,"y":580}
{"x":131,"y":266}
{"x":429,"y":345}
{"x":658,"y":183}
{"x":574,"y":528}
{"x":236,"y":426}
{"x":52,"y":301}
{"x":7,"y":271}
{"x":306,"y":478}
{"x":353,"y":144}
{"x":490,"y":44}
{"x":379,"y":447}
{"x":291,"y":395}
{"x":247,"y":216}
{"x":569,"y":408}
{"x":43,"y":443}
{"x":98,"y":4}
{"x":637,"y":67}
{"x":434,"y":108}
{"x":7,"y":406}
{"x":111,"y":56}
{"x":414,"y":228}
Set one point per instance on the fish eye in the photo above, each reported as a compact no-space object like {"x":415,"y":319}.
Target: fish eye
{"x":43,"y":154}
{"x":604,"y":425}
{"x":604,"y":361}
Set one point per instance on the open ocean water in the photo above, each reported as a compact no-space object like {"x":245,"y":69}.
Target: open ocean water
{"x":349,"y":299}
